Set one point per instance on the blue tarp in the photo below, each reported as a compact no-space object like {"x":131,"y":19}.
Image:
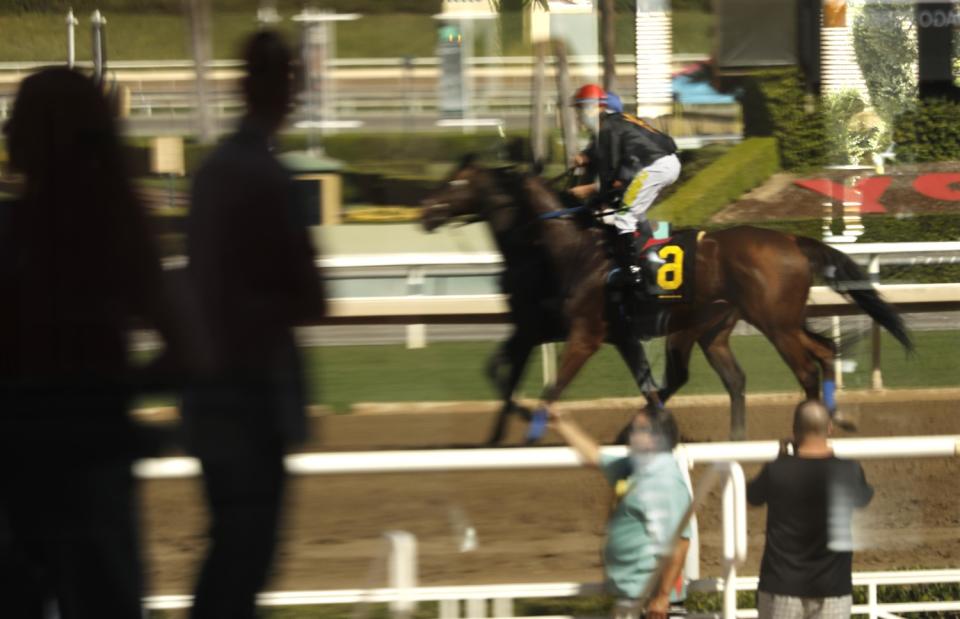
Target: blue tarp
{"x":690,"y":91}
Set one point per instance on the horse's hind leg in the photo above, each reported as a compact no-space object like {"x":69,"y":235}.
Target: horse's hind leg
{"x":716,"y":347}
{"x":823,"y":350}
{"x":794,"y":346}
{"x":584,"y":340}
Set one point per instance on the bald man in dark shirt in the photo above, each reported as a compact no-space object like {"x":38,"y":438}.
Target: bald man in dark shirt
{"x":810,"y":495}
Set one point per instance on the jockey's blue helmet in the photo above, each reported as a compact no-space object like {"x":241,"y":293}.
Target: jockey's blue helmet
{"x":614,"y":103}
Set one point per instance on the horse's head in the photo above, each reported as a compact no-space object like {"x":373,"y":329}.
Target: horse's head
{"x":461,"y":196}
{"x":471,"y":193}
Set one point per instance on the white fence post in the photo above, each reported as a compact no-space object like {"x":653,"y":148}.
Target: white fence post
{"x":876,"y":375}
{"x":691,"y":566}
{"x":501,"y":608}
{"x":476,"y":609}
{"x":734,"y":535}
{"x":837,"y":335}
{"x":548,"y":352}
{"x":416,"y":334}
{"x":449,"y":609}
{"x":402,"y":572}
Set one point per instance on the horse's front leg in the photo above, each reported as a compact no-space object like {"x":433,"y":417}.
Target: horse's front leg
{"x":513,"y":353}
{"x":585,"y":338}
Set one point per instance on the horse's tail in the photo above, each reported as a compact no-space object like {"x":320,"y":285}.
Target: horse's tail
{"x":844,"y":276}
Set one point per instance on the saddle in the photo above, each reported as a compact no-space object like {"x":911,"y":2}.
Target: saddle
{"x":644,"y":309}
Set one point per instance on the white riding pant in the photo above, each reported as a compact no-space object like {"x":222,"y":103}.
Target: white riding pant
{"x":643,"y":190}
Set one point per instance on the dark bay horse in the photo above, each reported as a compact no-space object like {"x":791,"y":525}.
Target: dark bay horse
{"x":556,"y":279}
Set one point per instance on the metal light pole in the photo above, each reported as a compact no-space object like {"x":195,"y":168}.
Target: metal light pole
{"x":198,"y":12}
{"x":97,"y":25}
{"x":318,"y":48}
{"x":71,"y":38}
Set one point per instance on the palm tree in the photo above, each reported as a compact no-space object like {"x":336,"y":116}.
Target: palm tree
{"x":608,"y":32}
{"x":608,"y":43}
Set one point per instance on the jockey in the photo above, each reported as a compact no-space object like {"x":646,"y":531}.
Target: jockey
{"x":632,"y":159}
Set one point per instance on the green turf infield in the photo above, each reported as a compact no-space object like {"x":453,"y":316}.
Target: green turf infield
{"x":341,"y":375}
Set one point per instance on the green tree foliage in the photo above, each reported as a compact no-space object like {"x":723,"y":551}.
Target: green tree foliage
{"x":853,"y":131}
{"x":884,"y":40}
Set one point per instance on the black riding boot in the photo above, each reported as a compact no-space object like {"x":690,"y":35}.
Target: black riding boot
{"x":651,"y":260}
{"x":625,"y":251}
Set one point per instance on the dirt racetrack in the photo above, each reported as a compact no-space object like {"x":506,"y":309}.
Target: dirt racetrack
{"x":547,"y":526}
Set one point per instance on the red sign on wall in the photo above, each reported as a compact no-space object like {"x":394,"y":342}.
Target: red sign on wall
{"x":868,"y":191}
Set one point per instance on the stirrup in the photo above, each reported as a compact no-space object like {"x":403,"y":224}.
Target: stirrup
{"x":652,"y":257}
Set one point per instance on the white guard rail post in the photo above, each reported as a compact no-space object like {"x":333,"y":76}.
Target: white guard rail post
{"x":402,"y":572}
{"x":734,"y":534}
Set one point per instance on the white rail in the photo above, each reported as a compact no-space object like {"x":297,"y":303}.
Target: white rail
{"x":445,"y":460}
{"x":926,"y":250}
{"x":482,"y":593}
{"x":476,"y":597}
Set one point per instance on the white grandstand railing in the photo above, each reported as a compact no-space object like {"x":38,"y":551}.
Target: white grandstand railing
{"x":501,"y":596}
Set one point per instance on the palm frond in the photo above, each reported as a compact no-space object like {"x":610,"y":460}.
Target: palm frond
{"x":544,"y":4}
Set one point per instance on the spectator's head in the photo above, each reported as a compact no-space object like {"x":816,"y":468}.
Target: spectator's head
{"x":61,"y":125}
{"x":811,"y":421}
{"x":268,"y":84}
{"x":653,"y":430}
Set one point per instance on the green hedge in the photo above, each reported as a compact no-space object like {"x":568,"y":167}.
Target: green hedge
{"x":740,"y":169}
{"x":928,"y":132}
{"x":775,"y":103}
{"x":397,"y":147}
{"x":798,"y":122}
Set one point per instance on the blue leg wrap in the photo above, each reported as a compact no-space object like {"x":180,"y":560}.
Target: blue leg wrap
{"x":538,"y":425}
{"x":830,"y":395}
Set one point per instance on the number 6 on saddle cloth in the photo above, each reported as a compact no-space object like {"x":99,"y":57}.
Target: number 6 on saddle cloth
{"x":674,"y":278}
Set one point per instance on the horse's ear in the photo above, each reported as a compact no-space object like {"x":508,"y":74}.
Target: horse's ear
{"x":468,"y":160}
{"x":537,"y":168}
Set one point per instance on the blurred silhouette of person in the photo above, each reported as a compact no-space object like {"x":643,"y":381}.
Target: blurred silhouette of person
{"x":76,"y":267}
{"x":253,"y":266}
{"x":810,"y":496}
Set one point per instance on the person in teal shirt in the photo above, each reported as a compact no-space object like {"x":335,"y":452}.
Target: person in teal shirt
{"x":653,"y":501}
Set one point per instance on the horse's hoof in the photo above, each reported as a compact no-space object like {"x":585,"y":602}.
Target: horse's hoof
{"x":538,"y":426}
{"x":844,"y":422}
{"x":738,"y":435}
{"x":524,"y":412}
